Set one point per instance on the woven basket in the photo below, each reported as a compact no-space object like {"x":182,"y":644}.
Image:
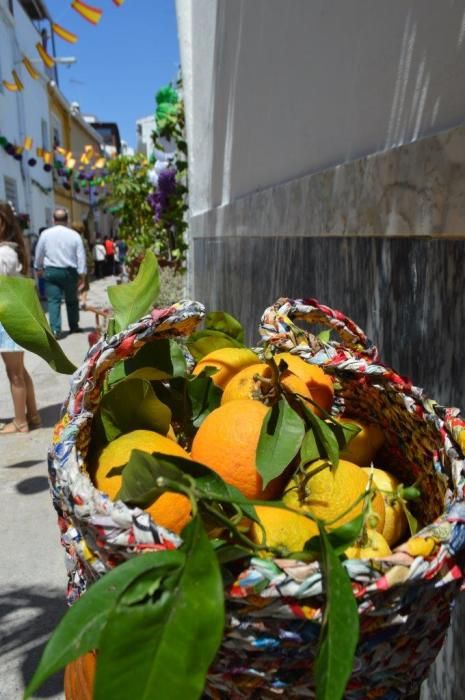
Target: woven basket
{"x":275,"y":607}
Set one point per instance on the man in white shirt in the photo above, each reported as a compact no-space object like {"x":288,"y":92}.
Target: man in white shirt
{"x":61,"y":258}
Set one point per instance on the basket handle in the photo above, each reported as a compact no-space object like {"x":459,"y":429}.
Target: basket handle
{"x":277,"y":327}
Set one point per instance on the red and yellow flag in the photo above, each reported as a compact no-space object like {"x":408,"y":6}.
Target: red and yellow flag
{"x":30,"y":68}
{"x":48,"y":60}
{"x":16,"y":85}
{"x":91,"y":14}
{"x":64,"y":34}
{"x":118,"y":3}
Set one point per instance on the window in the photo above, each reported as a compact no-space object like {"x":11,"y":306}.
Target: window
{"x":56,"y":132}
{"x":44,"y":134}
{"x":11,"y":192}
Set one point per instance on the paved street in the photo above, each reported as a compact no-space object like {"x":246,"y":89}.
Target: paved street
{"x":32,"y":570}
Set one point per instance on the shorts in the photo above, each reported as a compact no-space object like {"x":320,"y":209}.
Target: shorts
{"x":7,"y":344}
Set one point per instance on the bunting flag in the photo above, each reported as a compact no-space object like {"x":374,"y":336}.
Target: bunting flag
{"x":70,"y":163}
{"x":39,"y":152}
{"x":47,"y":156}
{"x":64,"y":34}
{"x":30,"y":68}
{"x":48,"y":60}
{"x":91,"y":14}
{"x":16,"y":85}
{"x":27,"y":145}
{"x":118,"y":3}
{"x":100,"y":163}
{"x":60,"y":150}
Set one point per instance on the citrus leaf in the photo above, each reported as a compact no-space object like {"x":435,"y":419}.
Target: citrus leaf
{"x":344,"y":432}
{"x":204,"y":395}
{"x":280,"y":439}
{"x":340,"y":629}
{"x":163,"y":355}
{"x":80,"y":629}
{"x":135,"y":299}
{"x":224,"y":322}
{"x":324,"y":434}
{"x":24,"y":320}
{"x":133,"y":405}
{"x":411,"y":520}
{"x":340,"y":538}
{"x":310,"y":449}
{"x":203,"y":342}
{"x":172,"y":641}
{"x":325,"y":335}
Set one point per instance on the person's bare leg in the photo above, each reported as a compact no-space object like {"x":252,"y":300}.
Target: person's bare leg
{"x":14,"y":363}
{"x":31,"y":406}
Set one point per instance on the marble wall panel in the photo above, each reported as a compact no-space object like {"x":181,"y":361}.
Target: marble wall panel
{"x":406,"y":293}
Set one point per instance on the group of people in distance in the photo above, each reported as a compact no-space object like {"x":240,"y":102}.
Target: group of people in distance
{"x":62,"y":260}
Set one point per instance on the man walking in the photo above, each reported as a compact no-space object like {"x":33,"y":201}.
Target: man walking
{"x":61,"y":258}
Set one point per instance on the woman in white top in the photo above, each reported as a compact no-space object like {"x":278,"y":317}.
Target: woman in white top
{"x":13,"y":261}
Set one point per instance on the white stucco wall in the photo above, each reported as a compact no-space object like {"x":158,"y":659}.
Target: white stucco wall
{"x":21,"y":114}
{"x":276,"y":89}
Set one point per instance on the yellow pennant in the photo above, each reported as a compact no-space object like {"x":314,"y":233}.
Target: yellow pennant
{"x":91,"y":14}
{"x":27,"y":145}
{"x":40,"y":152}
{"x":12,"y":87}
{"x":64,"y":34}
{"x":48,"y":60}
{"x":84,"y":158}
{"x":100,"y":163}
{"x":47,"y":156}
{"x":118,"y":3}
{"x":70,"y":163}
{"x":30,"y":68}
{"x":60,"y":150}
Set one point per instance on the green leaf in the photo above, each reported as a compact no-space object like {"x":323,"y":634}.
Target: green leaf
{"x":203,"y":342}
{"x":25,"y":321}
{"x":170,"y":642}
{"x":411,"y":520}
{"x":344,"y":432}
{"x":340,"y":630}
{"x":80,"y":629}
{"x":310,"y":450}
{"x":280,"y":439}
{"x":324,"y":434}
{"x":340,"y":538}
{"x":135,"y":299}
{"x":325,"y":335}
{"x":204,"y":396}
{"x":155,"y":361}
{"x":133,"y":405}
{"x":224,"y":322}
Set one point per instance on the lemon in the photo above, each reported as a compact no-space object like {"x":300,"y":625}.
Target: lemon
{"x":330,"y":494}
{"x":228,"y":361}
{"x":395,"y":520}
{"x":364,"y":446}
{"x":373,"y":547}
{"x":283,"y":529}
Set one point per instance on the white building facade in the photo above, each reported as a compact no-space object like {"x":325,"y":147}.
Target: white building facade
{"x":24,"y":114}
{"x":144,"y":129}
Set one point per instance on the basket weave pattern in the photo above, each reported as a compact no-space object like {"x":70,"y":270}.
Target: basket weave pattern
{"x":275,"y":607}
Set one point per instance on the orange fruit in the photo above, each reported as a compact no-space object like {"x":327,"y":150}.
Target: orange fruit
{"x":170,"y":510}
{"x":364,"y":446}
{"x":328,"y":494}
{"x":228,"y":361}
{"x":227,"y":441}
{"x":318,"y":383}
{"x":246,"y":385}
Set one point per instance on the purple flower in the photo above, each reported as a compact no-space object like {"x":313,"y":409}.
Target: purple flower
{"x":159,"y":199}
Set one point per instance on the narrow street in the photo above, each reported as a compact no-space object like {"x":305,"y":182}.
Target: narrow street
{"x":32,"y":571}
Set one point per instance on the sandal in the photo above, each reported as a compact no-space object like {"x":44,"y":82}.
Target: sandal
{"x":34,"y":422}
{"x":14,"y":427}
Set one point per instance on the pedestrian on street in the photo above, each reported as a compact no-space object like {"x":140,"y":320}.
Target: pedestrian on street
{"x":61,"y":258}
{"x":99,"y":254}
{"x":80,"y":227}
{"x":110,"y":256}
{"x":13,"y":262}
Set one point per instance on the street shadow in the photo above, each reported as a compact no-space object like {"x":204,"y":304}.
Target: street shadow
{"x":50,"y":415}
{"x":27,"y":619}
{"x":25,"y":464}
{"x":33,"y":485}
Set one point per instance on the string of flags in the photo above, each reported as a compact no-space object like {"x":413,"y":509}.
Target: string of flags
{"x":83,"y":172}
{"x":88,"y":12}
